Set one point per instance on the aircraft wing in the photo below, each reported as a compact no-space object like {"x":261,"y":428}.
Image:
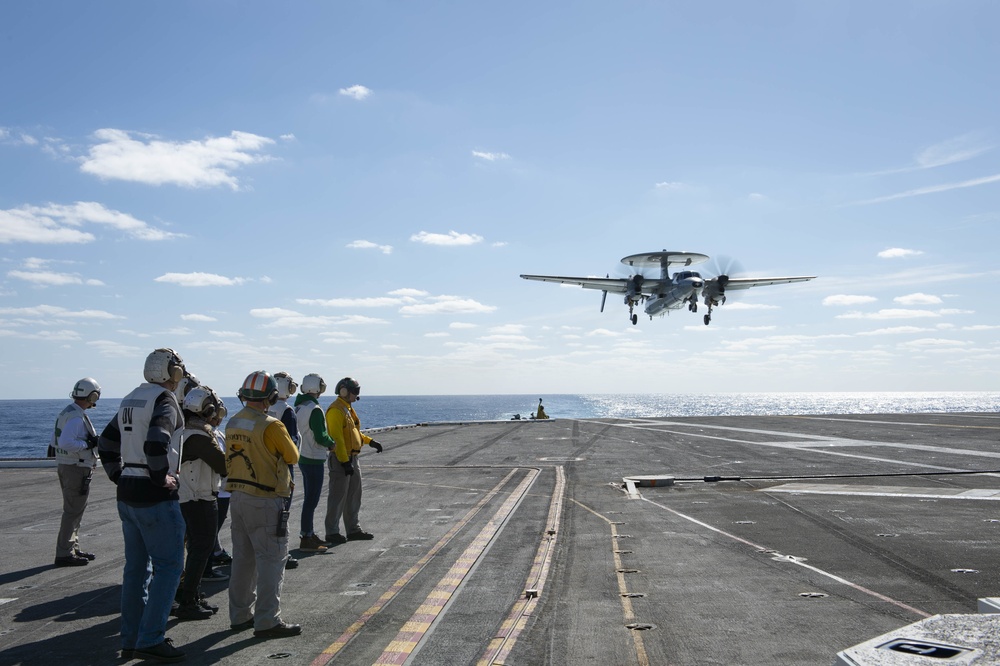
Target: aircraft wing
{"x":717,"y":285}
{"x":612,"y":285}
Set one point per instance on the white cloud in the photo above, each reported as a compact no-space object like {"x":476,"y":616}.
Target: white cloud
{"x":351,"y":320}
{"x":490,"y":157}
{"x":756,"y":196}
{"x":408,"y":292}
{"x":39,"y":311}
{"x":226,"y":334}
{"x":917,"y":299}
{"x":375,"y":302}
{"x":287,"y":137}
{"x":142,"y":158}
{"x":848,"y":299}
{"x":368,"y":245}
{"x":200,"y":280}
{"x":958,"y":149}
{"x":52,"y":279}
{"x":929,"y":343}
{"x":273,"y":313}
{"x":895,"y":330}
{"x":461,"y":325}
{"x":58,"y":223}
{"x":896,"y":252}
{"x":739,"y":305}
{"x":673,"y":186}
{"x":197,"y":317}
{"x":441,"y":334}
{"x":889,"y":314}
{"x":447,"y":305}
{"x":508,"y":329}
{"x":933,"y":189}
{"x":356,"y":92}
{"x":451,"y":238}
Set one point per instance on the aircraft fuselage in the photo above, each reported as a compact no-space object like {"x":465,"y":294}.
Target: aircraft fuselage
{"x":684,"y":288}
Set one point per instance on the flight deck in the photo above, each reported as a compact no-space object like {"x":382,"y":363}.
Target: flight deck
{"x":735,"y":540}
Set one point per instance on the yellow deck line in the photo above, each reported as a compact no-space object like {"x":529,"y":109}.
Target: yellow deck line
{"x":420,"y":622}
{"x":640,"y":648}
{"x":503,"y":643}
{"x":331,"y":651}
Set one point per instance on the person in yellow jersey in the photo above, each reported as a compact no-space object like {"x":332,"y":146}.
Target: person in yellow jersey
{"x":344,"y":500}
{"x":258,"y":454}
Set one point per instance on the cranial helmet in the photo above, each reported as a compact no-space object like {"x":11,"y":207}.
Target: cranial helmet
{"x":348,"y":383}
{"x":286,"y":385}
{"x":314,"y":384}
{"x":184,"y":386}
{"x":259,"y":386}
{"x":86,"y":389}
{"x":202,"y":401}
{"x":164,"y":365}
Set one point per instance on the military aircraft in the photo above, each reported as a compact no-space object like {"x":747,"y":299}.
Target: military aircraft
{"x":666,"y":292}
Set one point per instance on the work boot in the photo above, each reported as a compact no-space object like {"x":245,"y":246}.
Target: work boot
{"x":334,"y":539}
{"x":311,"y":544}
{"x":71,"y":561}
{"x":165,"y":652}
{"x":360,"y":535}
{"x":192,"y":611}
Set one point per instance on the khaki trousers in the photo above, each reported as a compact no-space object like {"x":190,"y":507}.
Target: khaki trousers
{"x":259,"y":555}
{"x":75,"y":483}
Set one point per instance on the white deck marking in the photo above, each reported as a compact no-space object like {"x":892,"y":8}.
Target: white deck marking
{"x":806,"y":442}
{"x":886,"y":491}
{"x":791,"y":559}
{"x":7,"y":601}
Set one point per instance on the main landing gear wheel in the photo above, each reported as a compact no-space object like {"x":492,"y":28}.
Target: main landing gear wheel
{"x":708,"y":320}
{"x":635,"y":319}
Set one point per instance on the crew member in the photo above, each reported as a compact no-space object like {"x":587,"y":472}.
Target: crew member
{"x":282,"y":411}
{"x":74,"y":442}
{"x":201,"y":469}
{"x":136,"y":454}
{"x":259,"y":452}
{"x":315,"y":446}
{"x":344,"y":499}
{"x":540,"y":414}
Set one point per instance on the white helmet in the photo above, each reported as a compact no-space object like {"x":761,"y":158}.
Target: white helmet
{"x":184,"y":386}
{"x":314,"y":384}
{"x":203,"y":401}
{"x":86,"y":389}
{"x":164,"y":365}
{"x":286,"y":385}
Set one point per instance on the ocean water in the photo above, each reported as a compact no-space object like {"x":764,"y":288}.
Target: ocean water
{"x":26,"y":425}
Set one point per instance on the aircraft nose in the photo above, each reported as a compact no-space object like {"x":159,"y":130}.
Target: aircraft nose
{"x":697,"y":283}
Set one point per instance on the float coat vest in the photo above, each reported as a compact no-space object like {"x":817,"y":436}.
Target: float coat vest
{"x":197,"y":480}
{"x":253,"y":469}
{"x":134,"y":417}
{"x":308,"y":447}
{"x":82,"y":457}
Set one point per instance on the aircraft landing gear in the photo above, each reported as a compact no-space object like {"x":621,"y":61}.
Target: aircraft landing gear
{"x":635,"y":319}
{"x":693,"y":306}
{"x":708,"y":319}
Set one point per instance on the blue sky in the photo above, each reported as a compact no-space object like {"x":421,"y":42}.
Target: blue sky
{"x":353,"y":188}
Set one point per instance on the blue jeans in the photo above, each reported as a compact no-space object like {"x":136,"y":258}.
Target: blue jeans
{"x":312,"y":481}
{"x":154,"y":541}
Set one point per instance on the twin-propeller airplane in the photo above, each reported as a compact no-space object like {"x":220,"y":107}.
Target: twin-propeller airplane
{"x":668,"y":292}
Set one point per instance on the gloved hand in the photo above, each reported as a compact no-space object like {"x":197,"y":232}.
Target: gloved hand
{"x":348,"y":468}
{"x":375,"y":445}
{"x":91,"y":441}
